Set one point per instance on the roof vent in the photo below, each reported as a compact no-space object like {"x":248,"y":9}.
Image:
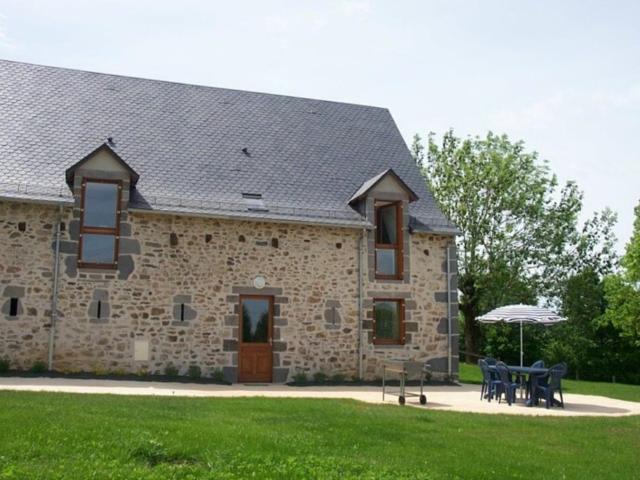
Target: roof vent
{"x":254,"y":202}
{"x":252,"y":196}
{"x":245,"y":150}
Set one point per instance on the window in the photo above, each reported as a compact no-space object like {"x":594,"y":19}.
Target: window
{"x":389,"y":240}
{"x":256,"y":318}
{"x":388,"y":322}
{"x":99,"y":227}
{"x":13,"y":307}
{"x":254,"y":202}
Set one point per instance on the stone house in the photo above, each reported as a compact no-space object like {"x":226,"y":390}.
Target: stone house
{"x":146,"y":224}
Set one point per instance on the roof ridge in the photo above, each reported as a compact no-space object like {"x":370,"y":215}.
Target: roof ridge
{"x":173,"y":82}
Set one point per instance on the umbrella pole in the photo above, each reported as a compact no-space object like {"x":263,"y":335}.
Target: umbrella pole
{"x":521,"y":348}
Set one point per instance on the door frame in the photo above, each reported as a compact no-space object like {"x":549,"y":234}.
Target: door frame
{"x":270,"y":299}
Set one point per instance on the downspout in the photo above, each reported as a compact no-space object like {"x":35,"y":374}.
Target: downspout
{"x":449,"y":341}
{"x":360,"y":318}
{"x":54,"y":296}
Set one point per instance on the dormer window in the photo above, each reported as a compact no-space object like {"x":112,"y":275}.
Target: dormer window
{"x":388,"y":240}
{"x":100,"y":206}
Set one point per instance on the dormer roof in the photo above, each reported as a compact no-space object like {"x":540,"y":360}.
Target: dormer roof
{"x":104,"y":148}
{"x":371,"y":183}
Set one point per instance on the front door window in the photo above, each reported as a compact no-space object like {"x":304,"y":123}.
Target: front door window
{"x":255,"y":353}
{"x":255,"y":320}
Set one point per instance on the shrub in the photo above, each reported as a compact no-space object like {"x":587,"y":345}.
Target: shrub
{"x":319,"y":377}
{"x":217,"y":375}
{"x":300,"y":377}
{"x":338,"y":378}
{"x":4,"y":365}
{"x":170,"y":371}
{"x":194,"y":371}
{"x":118,"y":372}
{"x":38,"y":367}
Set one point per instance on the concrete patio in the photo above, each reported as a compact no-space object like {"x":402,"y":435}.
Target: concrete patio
{"x":462,"y":398}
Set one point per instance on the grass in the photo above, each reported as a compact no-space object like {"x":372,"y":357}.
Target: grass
{"x":56,"y":436}
{"x":621,"y":391}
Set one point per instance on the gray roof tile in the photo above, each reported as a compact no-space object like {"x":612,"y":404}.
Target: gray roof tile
{"x":307,"y":157}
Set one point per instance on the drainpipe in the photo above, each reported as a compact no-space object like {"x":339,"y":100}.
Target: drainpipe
{"x":361,"y":240}
{"x":449,"y":342}
{"x":54,"y":297}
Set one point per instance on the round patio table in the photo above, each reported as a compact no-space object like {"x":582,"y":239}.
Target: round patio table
{"x":521,"y":373}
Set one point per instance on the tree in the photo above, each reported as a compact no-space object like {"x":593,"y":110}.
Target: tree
{"x":417,"y":151}
{"x":622,"y":290}
{"x":519,"y":230}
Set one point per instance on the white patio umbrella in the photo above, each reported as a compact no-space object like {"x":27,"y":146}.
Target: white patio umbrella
{"x":522,"y":314}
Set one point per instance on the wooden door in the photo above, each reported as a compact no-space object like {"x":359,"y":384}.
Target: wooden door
{"x":255,"y":353}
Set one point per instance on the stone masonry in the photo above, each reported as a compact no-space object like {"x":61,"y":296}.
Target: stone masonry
{"x":177,"y":288}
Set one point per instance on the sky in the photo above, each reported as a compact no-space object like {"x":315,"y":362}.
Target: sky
{"x":564,"y":76}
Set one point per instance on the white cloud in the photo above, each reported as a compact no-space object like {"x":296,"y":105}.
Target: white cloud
{"x":628,"y":98}
{"x":5,"y":40}
{"x":355,"y":8}
{"x":563,"y":106}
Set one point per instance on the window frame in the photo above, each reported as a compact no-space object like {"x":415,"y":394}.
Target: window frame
{"x":115,"y":232}
{"x":396,"y":247}
{"x":401,"y":330}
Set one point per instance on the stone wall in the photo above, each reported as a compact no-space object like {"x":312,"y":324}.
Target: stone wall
{"x":179,"y":297}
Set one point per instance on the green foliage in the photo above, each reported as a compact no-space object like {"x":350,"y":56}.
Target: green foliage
{"x":320,"y":377}
{"x":338,"y":378}
{"x":300,"y":377}
{"x":153,"y":452}
{"x":194,"y":371}
{"x":417,"y":151}
{"x":631,"y":260}
{"x":38,"y":367}
{"x":170,"y":370}
{"x":70,"y":436}
{"x":624,"y":306}
{"x":218,"y":375}
{"x":520,"y":237}
{"x":4,"y":365}
{"x":623,"y":290}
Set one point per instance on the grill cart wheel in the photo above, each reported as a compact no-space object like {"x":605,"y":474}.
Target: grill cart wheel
{"x":401,"y":400}
{"x":423,"y":399}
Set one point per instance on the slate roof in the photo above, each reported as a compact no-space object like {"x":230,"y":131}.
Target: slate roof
{"x":306,"y":157}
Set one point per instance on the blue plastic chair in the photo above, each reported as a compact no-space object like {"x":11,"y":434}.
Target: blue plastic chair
{"x":506,"y":385}
{"x":489,"y":381}
{"x":547,"y":385}
{"x":536,"y":364}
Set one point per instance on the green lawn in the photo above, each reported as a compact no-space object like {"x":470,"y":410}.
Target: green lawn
{"x":45,"y":435}
{"x":622,"y":391}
